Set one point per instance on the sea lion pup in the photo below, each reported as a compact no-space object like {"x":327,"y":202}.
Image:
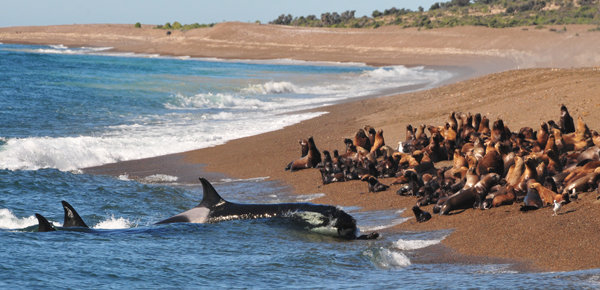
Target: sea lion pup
{"x":311,"y":160}
{"x":374,"y":184}
{"x":362,"y":140}
{"x":566,"y":121}
{"x":472,"y":197}
{"x":420,"y":215}
{"x":532,"y":200}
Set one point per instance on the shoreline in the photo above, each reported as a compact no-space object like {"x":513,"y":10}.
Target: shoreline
{"x":511,"y":95}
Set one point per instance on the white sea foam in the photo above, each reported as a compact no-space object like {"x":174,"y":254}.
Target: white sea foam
{"x":61,"y":49}
{"x":387,"y":259}
{"x":308,"y":197}
{"x":115,"y":223}
{"x":160,"y":178}
{"x":124,"y":177}
{"x":407,"y":245}
{"x":272,"y":88}
{"x":9,"y":221}
{"x":128,"y":142}
{"x":254,"y":179}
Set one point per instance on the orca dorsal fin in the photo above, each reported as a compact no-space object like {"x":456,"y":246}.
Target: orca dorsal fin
{"x":211,"y":198}
{"x":72,"y":218}
{"x":43,"y":224}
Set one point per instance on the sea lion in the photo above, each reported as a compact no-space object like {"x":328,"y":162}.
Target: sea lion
{"x":374,"y":184}
{"x":371,"y":133}
{"x":548,"y":196}
{"x":566,"y":121}
{"x":420,"y":215}
{"x":311,"y":160}
{"x":532,"y":200}
{"x":378,"y":141}
{"x":583,"y":183}
{"x":362,"y":140}
{"x":303,"y":147}
{"x":504,"y":199}
{"x":484,"y":126}
{"x":491,"y":161}
{"x":468,"y":198}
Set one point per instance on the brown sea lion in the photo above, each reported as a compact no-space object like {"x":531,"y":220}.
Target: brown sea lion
{"x":378,"y":141}
{"x":362,"y":140}
{"x":583,"y":183}
{"x":532,"y":200}
{"x":548,"y":196}
{"x":529,"y":172}
{"x":311,"y":160}
{"x":468,"y":198}
{"x":515,"y":172}
{"x":504,"y":199}
{"x":484,"y":126}
{"x":542,"y":136}
{"x":491,"y":161}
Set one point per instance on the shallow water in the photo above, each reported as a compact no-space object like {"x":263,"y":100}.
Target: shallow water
{"x":67,"y":108}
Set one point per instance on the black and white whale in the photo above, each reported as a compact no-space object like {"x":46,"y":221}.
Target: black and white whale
{"x":213,"y":208}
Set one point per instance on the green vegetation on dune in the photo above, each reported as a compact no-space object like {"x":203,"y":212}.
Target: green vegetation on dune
{"x":490,"y":13}
{"x":178,"y":26}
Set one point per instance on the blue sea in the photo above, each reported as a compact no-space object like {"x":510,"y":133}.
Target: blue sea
{"x":63,"y":109}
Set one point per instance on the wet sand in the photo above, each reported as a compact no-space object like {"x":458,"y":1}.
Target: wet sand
{"x":523,"y":97}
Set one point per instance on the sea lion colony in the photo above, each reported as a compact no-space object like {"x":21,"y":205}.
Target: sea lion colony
{"x":491,"y":167}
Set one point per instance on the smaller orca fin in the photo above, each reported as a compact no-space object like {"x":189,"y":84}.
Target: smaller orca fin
{"x":43,"y":224}
{"x":72,"y":218}
{"x":211,"y":198}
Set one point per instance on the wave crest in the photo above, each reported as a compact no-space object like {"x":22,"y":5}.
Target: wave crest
{"x":272,"y":87}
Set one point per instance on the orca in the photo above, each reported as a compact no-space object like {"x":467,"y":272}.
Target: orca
{"x":213,"y":208}
{"x":72,"y":221}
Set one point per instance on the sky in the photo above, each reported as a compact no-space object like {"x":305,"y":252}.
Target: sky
{"x":55,"y":12}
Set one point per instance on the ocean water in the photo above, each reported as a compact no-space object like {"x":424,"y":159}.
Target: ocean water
{"x":63,"y":109}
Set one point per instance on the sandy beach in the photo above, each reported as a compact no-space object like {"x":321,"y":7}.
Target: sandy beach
{"x":521,"y":75}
